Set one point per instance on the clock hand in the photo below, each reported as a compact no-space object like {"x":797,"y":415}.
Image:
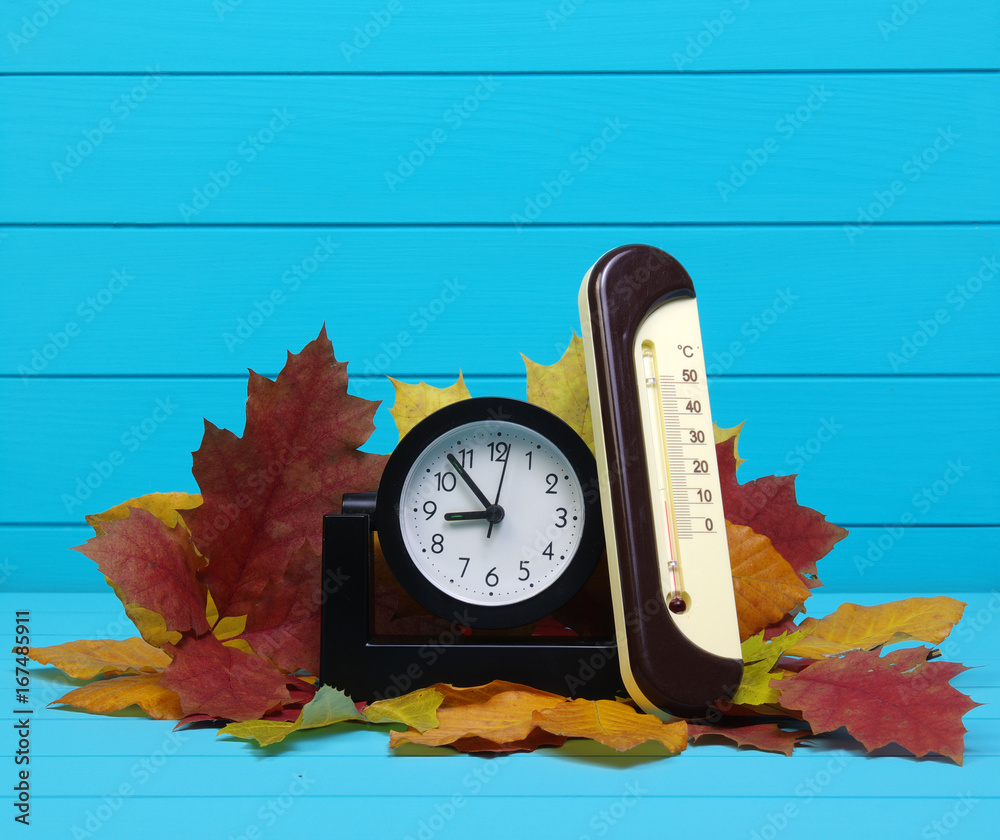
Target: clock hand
{"x":462,"y":516}
{"x":503,"y":472}
{"x":468,"y":480}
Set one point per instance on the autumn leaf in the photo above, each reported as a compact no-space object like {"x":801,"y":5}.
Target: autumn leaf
{"x":503,"y":718}
{"x":759,"y":657}
{"x":111,"y":695}
{"x":415,"y":402}
{"x":265,"y":493}
{"x":329,"y":706}
{"x":154,"y":566}
{"x":222,"y":682}
{"x":722,"y":435}
{"x":766,"y":587}
{"x":562,"y":389}
{"x":86,"y":659}
{"x":166,"y":507}
{"x":768,"y":737}
{"x":767,"y":505}
{"x":418,"y":709}
{"x":613,"y":724}
{"x":853,"y":627}
{"x":900,"y":698}
{"x":285,"y":622}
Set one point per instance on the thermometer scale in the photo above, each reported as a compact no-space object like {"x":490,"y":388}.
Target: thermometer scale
{"x":675,"y":615}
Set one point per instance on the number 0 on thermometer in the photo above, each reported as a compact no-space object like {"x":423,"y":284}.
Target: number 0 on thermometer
{"x":675,"y":615}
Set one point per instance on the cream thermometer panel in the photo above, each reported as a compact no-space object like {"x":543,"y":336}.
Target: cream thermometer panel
{"x":691,"y":544}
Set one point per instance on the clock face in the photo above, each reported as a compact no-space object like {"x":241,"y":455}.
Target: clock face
{"x":494,"y":512}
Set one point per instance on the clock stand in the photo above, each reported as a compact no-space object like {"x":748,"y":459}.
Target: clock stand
{"x":369,"y":665}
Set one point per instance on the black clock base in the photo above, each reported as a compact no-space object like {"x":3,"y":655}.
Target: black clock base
{"x":370,"y":667}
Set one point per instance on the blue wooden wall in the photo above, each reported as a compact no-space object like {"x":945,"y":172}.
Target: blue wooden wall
{"x":191,"y":188}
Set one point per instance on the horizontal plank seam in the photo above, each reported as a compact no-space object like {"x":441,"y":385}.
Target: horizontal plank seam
{"x":960,"y":223}
{"x":839,"y":71}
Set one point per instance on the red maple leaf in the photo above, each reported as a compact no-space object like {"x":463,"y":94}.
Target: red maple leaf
{"x":153,"y":566}
{"x":285,"y":622}
{"x":768,"y":506}
{"x":265,"y":493}
{"x":222,"y":682}
{"x":764,"y":736}
{"x":900,"y":698}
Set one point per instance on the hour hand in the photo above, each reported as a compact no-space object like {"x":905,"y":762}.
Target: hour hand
{"x":462,"y":516}
{"x":468,"y":480}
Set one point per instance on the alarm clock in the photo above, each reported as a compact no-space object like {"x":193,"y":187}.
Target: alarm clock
{"x":488,"y":514}
{"x":490,"y":508}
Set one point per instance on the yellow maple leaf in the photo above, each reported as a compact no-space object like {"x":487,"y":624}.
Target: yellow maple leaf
{"x":722,"y":435}
{"x":111,"y":695}
{"x":417,"y":709}
{"x":759,"y":657}
{"x":164,"y":506}
{"x":87,"y":658}
{"x":612,"y":724}
{"x":562,"y":389}
{"x":765,"y":585}
{"x":853,"y":627}
{"x":415,"y":402}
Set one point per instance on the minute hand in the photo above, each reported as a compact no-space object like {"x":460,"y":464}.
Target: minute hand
{"x":468,"y":480}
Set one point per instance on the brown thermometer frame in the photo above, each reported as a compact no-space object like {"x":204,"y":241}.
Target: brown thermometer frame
{"x":672,"y":672}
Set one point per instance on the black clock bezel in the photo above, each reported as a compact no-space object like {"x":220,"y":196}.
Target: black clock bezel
{"x":486,"y":410}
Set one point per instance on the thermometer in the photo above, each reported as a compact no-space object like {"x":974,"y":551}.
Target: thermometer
{"x":675,"y":613}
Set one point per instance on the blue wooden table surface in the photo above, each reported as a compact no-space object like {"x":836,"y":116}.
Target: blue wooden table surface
{"x":191,"y":189}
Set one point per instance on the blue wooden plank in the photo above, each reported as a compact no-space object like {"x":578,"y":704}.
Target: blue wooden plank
{"x":842,"y":148}
{"x":773,"y":299}
{"x":355,"y":36}
{"x":457,"y":814}
{"x":36,"y":558}
{"x":870,"y":450}
{"x":428,"y":775}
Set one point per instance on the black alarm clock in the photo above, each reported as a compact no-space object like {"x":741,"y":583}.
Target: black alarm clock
{"x":489,"y":507}
{"x":488,"y":514}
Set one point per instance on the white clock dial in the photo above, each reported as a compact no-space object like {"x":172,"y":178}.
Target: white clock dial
{"x":472,"y":551}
